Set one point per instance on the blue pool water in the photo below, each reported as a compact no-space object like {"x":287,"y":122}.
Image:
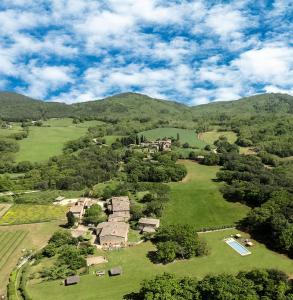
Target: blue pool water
{"x":237,"y":247}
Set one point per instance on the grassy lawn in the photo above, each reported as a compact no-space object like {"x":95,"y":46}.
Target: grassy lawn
{"x":137,"y":267}
{"x":198,"y":201}
{"x":16,"y":128}
{"x":210,"y":136}
{"x":18,"y":237}
{"x":186,"y":135}
{"x":25,"y":214}
{"x":44,"y":142}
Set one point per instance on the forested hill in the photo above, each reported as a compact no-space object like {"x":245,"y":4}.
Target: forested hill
{"x":15,"y":107}
{"x":259,"y":104}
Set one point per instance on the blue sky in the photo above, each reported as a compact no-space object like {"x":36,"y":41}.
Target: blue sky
{"x":189,"y":51}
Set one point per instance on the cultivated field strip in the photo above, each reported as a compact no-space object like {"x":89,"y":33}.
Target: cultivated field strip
{"x":9,"y":241}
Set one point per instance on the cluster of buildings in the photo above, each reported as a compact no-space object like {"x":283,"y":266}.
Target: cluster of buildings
{"x":159,"y":145}
{"x":79,"y":207}
{"x":114,"y":233}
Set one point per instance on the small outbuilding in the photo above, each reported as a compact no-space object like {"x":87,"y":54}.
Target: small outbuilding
{"x":115,"y":271}
{"x":72,"y":280}
{"x":148,"y":225}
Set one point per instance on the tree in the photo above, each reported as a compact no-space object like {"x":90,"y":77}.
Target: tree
{"x":70,"y":219}
{"x":166,"y":251}
{"x":94,"y":215}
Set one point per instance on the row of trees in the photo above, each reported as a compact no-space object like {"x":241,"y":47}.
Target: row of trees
{"x":252,"y":285}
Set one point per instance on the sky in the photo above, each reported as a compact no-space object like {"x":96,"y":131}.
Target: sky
{"x":192,"y":52}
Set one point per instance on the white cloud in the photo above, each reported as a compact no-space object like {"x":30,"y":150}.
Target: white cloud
{"x":42,"y":80}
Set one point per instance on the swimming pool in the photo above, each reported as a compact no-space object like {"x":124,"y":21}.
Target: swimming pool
{"x":237,"y":247}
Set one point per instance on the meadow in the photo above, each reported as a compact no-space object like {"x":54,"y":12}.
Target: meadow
{"x":44,"y":142}
{"x":211,"y":136}
{"x":197,"y":200}
{"x":137,"y":267}
{"x":26,"y":214}
{"x":185,"y":135}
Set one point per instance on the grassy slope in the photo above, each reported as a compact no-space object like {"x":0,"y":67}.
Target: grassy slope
{"x":186,"y":135}
{"x":44,"y":142}
{"x":211,"y":136}
{"x":137,"y":267}
{"x":37,"y":236}
{"x":198,"y":201}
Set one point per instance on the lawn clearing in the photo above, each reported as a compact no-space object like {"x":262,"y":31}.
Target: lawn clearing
{"x":26,"y":214}
{"x":44,"y":142}
{"x":197,"y":200}
{"x":186,"y":135}
{"x":211,"y":136}
{"x":137,"y":267}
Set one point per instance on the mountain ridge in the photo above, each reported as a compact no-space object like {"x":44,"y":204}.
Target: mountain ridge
{"x":14,"y":106}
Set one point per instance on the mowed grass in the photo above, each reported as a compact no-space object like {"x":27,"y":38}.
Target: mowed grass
{"x":211,"y":136}
{"x":197,"y":200}
{"x":26,"y":214}
{"x":44,"y":142}
{"x":186,"y":135}
{"x":137,"y":267}
{"x":16,"y":128}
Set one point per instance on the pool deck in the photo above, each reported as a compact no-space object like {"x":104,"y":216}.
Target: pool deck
{"x":230,"y":241}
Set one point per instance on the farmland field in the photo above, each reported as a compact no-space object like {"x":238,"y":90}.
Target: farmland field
{"x":186,"y":135}
{"x":36,"y":236}
{"x":210,"y":136}
{"x":25,"y":214}
{"x":15,"y":129}
{"x":198,"y":201}
{"x":9,"y":243}
{"x":44,"y":142}
{"x":137,"y":267}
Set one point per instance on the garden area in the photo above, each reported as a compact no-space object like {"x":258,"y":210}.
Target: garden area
{"x":25,"y":214}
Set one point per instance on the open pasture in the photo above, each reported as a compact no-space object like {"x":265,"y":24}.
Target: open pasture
{"x":185,"y":135}
{"x":44,"y":142}
{"x":197,"y":200}
{"x":137,"y":267}
{"x":210,"y":137}
{"x":26,"y":214}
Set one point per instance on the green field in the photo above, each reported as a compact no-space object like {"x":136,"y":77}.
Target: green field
{"x":137,"y":267}
{"x":198,"y":201}
{"x":25,"y":214}
{"x":10,"y":242}
{"x":44,"y":142}
{"x":186,"y":135}
{"x":211,"y":136}
{"x":16,"y":128}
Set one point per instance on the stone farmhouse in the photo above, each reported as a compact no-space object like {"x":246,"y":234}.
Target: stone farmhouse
{"x":148,"y":225}
{"x":159,"y":145}
{"x":112,"y":234}
{"x":119,"y":208}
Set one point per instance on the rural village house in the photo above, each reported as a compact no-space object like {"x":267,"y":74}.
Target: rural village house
{"x":112,"y":234}
{"x":119,"y":208}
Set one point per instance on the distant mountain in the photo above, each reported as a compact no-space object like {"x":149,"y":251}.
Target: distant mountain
{"x":16,"y":107}
{"x":259,"y":104}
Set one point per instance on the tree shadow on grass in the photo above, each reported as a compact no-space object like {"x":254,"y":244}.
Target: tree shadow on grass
{"x":132,"y":296}
{"x":151,"y":255}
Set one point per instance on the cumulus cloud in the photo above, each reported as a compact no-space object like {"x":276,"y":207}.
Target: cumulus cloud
{"x":190,"y":51}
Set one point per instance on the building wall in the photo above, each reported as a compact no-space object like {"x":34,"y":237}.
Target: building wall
{"x":108,"y":240}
